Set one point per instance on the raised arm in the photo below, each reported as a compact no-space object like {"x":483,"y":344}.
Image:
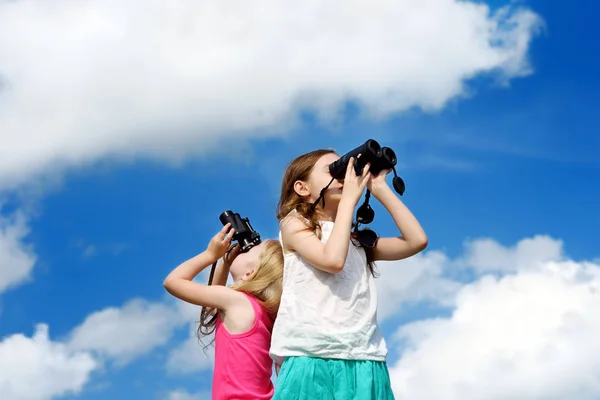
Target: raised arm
{"x":221,"y":273}
{"x":412,"y":240}
{"x":179,"y":282}
{"x":329,"y":257}
{"x":222,"y":268}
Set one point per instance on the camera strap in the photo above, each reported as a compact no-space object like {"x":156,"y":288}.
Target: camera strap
{"x":321,"y":196}
{"x":366,"y":237}
{"x":214,"y":266}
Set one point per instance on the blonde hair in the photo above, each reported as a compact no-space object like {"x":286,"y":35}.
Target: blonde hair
{"x":299,"y":169}
{"x":265,"y":285}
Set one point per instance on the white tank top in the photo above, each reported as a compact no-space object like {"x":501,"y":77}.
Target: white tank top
{"x":328,"y":315}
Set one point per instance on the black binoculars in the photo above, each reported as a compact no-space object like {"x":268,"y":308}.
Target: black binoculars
{"x":380,"y":158}
{"x":244,"y":234}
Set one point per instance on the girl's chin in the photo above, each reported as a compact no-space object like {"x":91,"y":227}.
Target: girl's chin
{"x":333,"y":197}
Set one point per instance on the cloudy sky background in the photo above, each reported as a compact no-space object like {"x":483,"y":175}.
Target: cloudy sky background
{"x":126,"y":129}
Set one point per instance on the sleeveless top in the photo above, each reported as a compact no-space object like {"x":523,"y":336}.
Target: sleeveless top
{"x":328,"y":315}
{"x":243,"y":367}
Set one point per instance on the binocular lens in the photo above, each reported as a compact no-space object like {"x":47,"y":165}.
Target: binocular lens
{"x":372,"y":148}
{"x":227,"y":216}
{"x":389,"y":156}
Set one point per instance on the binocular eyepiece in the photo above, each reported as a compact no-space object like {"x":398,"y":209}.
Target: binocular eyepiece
{"x":380,"y":158}
{"x":244,"y":234}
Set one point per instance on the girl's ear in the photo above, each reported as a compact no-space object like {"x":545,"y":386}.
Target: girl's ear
{"x":301,"y":188}
{"x":248,"y":274}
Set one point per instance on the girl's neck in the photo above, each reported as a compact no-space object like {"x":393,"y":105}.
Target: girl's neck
{"x":326,"y":214}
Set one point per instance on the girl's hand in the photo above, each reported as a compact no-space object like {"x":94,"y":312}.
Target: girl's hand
{"x":378,"y":182}
{"x":354,"y":185}
{"x":233,"y":252}
{"x":219,"y":244}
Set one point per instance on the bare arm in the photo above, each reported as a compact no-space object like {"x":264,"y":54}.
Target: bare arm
{"x":222,"y":269}
{"x":179,"y":282}
{"x":413,"y":239}
{"x":329,"y":257}
{"x":221,"y":274}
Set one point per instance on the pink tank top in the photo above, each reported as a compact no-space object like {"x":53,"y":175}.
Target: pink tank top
{"x":242,"y":362}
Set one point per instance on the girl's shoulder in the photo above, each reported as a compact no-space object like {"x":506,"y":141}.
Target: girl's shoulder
{"x":294,"y":222}
{"x":242,"y":317}
{"x":294,"y":215}
{"x":290,"y":227}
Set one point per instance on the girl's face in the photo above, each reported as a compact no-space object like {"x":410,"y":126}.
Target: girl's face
{"x":320,"y":177}
{"x":243,"y":264}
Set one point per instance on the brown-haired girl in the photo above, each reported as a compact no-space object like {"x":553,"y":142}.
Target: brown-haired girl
{"x":326,"y":333}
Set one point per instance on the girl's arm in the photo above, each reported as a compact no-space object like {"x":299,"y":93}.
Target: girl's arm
{"x":179,"y":282}
{"x":413,"y":239}
{"x":222,"y":269}
{"x":331,"y":256}
{"x":221,"y":273}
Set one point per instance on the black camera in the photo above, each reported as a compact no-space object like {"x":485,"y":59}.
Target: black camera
{"x":245,"y":235}
{"x":380,"y":158}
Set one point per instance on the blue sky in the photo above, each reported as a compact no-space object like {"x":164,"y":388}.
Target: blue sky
{"x":506,"y":162}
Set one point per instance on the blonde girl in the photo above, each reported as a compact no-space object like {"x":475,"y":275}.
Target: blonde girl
{"x":241,"y":315}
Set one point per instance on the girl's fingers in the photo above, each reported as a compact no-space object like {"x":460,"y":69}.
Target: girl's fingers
{"x":366,"y":169}
{"x":350,"y":167}
{"x":229,"y":235}
{"x":225,"y":228}
{"x":365,"y":179}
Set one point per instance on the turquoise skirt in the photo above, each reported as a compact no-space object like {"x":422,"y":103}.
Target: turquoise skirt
{"x":308,"y":378}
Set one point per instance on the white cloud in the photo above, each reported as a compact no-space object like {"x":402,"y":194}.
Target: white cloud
{"x":42,"y":369}
{"x":191,"y":355}
{"x":531,"y":334}
{"x":486,"y":255}
{"x":36,"y":368}
{"x":127,"y":332}
{"x":190,"y":312}
{"x":16,"y":258}
{"x":184,"y":395}
{"x":86,"y":80}
{"x":416,"y":279}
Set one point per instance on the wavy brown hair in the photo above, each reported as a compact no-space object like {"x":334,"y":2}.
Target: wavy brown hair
{"x":265,"y":285}
{"x":299,"y":169}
